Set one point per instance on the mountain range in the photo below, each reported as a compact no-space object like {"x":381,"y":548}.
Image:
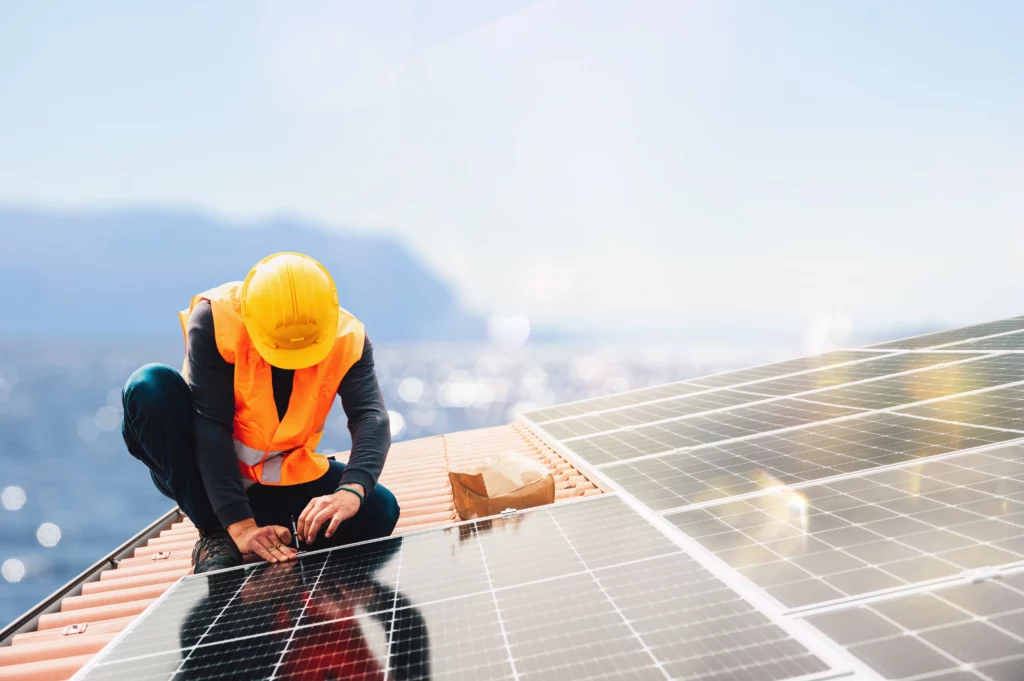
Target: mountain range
{"x":126,"y":273}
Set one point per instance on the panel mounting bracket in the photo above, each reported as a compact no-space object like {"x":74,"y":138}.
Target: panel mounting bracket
{"x":984,"y":574}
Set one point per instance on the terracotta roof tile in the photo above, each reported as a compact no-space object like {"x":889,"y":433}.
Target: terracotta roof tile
{"x":416,"y":471}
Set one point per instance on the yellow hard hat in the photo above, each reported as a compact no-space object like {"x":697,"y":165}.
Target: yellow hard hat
{"x":290,"y":309}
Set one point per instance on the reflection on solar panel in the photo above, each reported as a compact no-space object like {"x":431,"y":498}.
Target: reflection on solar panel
{"x":1000,"y":408}
{"x":792,"y":457}
{"x":967,"y":632}
{"x":874,"y":532}
{"x":580,"y":591}
{"x":941,"y":381}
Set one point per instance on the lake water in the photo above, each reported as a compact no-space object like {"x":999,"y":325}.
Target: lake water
{"x":71,"y":492}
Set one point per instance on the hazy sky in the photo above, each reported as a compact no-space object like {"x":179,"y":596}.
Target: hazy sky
{"x":670,"y":166}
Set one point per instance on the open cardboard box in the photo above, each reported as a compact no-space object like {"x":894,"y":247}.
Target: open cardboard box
{"x":503,"y":481}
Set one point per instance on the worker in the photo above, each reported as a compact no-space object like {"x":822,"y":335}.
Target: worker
{"x":232,"y":438}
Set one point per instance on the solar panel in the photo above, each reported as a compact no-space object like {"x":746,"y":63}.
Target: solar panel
{"x":929,"y":384}
{"x":705,"y":429}
{"x":704,"y":474}
{"x":703,"y":383}
{"x":719,"y":398}
{"x":877,"y":531}
{"x":971,"y":631}
{"x":781,"y":368}
{"x":860,"y":371}
{"x":584,"y":590}
{"x":1008,"y":342}
{"x":1000,"y":408}
{"x":941,"y":338}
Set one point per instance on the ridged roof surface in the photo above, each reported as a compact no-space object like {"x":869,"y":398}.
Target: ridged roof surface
{"x":416,"y":471}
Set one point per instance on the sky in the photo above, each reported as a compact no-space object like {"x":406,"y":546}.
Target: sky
{"x":656,"y":167}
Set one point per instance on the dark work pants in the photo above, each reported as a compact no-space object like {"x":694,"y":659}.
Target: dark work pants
{"x":158,"y":429}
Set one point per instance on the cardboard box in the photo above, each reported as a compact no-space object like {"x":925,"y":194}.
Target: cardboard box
{"x":507,"y":480}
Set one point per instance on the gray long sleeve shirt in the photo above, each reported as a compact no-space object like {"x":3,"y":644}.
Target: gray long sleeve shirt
{"x":211,"y":379}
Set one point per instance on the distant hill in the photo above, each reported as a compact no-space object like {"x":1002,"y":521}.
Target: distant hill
{"x":126,"y":273}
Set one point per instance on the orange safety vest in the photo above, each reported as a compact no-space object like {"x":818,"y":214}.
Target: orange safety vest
{"x":272,"y":451}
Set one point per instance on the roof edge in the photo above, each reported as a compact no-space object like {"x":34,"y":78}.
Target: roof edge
{"x":30,"y":620}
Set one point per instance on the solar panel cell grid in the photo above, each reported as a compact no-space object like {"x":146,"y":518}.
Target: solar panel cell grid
{"x":952,"y":336}
{"x":929,"y":384}
{"x":1001,"y":408}
{"x":703,"y":383}
{"x":655,"y":411}
{"x":705,"y":474}
{"x":864,"y":534}
{"x":613,"y":401}
{"x":969,"y":631}
{"x":705,"y":429}
{"x":1013,"y":342}
{"x":582,"y":591}
{"x":780,"y":368}
{"x":848,"y":373}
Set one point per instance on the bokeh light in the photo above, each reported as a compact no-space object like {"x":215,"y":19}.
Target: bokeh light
{"x":48,"y":535}
{"x":13,"y":570}
{"x":397,"y":424}
{"x":13,"y":498}
{"x":410,"y":389}
{"x":107,"y":418}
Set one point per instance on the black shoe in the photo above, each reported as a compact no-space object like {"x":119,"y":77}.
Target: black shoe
{"x":215,"y":550}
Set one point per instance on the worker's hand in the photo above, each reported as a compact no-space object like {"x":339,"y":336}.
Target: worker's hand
{"x":330,"y":510}
{"x":270,"y":543}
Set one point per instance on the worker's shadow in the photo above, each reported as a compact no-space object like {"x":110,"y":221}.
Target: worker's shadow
{"x":307,"y":619}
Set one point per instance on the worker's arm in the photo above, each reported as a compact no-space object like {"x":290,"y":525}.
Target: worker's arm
{"x":368,"y":422}
{"x":370,"y":427}
{"x":211,"y":380}
{"x":212,"y":383}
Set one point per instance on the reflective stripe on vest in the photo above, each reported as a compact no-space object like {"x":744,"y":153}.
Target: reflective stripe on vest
{"x":272,"y":469}
{"x":250,"y":456}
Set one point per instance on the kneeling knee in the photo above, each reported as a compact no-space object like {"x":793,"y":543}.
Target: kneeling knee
{"x":152,"y":385}
{"x":389,"y":510}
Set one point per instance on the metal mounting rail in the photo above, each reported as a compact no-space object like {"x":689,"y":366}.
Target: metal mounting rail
{"x":30,"y":620}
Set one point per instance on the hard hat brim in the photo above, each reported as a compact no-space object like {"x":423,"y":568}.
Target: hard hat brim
{"x":302,"y":358}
